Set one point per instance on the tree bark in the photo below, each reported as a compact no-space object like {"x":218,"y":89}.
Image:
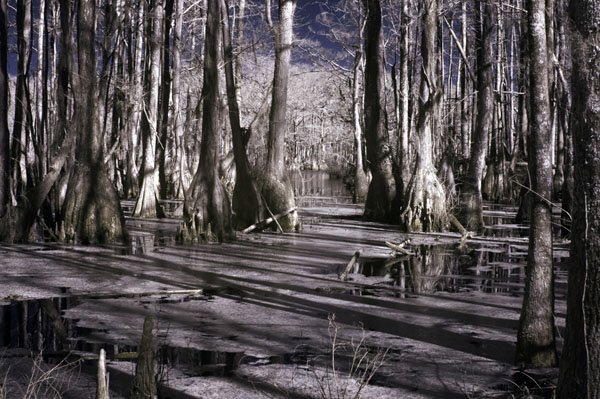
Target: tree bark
{"x":246,"y":202}
{"x":144,"y":381}
{"x":41,"y":90}
{"x":165,"y":90}
{"x":22,"y":106}
{"x":382,"y":189}
{"x":535,"y":339}
{"x":404,"y":78}
{"x":471,"y":212}
{"x":465,"y":109}
{"x":275,"y":184}
{"x":137,"y":101}
{"x":147,"y":204}
{"x":424,"y":205}
{"x":182,"y":179}
{"x":580,"y":362}
{"x":4,"y":132}
{"x":361,"y":180}
{"x":92,"y":212}
{"x":206,"y":205}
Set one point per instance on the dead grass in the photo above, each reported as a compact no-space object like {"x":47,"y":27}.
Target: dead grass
{"x":42,"y":381}
{"x":338,"y":382}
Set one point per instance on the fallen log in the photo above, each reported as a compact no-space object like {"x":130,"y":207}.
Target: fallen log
{"x":456,"y":224}
{"x":350,"y":264}
{"x":264,"y":223}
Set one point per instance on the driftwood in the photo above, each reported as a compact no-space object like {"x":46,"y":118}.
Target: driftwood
{"x":102,"y":390}
{"x":144,"y":381}
{"x":264,"y":223}
{"x":398,"y":249}
{"x":465,"y":234}
{"x":350,"y":264}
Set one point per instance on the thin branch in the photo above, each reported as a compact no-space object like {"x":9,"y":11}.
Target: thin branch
{"x":461,"y":50}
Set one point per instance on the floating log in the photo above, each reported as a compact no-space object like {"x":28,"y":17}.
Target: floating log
{"x":264,"y":223}
{"x":102,"y":389}
{"x":398,"y":248}
{"x":350,"y":264}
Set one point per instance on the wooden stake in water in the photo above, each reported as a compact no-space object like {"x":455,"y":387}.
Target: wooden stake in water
{"x":350,"y":264}
{"x":102,"y":391}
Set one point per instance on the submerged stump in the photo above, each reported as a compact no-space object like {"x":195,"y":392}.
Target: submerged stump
{"x":144,"y":382}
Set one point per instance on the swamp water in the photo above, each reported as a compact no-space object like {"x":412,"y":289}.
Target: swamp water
{"x":268,"y":316}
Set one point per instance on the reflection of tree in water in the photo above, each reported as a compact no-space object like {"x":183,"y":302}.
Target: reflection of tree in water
{"x":426,"y":267}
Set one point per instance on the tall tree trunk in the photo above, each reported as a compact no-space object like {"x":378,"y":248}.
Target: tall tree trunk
{"x":535,"y":339}
{"x":147,"y":204}
{"x":465,"y":109}
{"x":275,"y":184}
{"x":182,"y":179}
{"x":4,"y":133}
{"x":92,"y":212}
{"x":424,"y":206}
{"x":40,"y":83}
{"x":22,"y":104}
{"x":403,"y":177}
{"x":580,"y":362}
{"x":361,"y":181}
{"x":382,"y":189}
{"x":136,"y":102}
{"x":165,"y":90}
{"x":246,"y":202}
{"x":206,"y":204}
{"x":64,"y":66}
{"x":471,"y":212}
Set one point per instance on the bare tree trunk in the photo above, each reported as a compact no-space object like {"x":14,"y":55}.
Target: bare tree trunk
{"x":580,"y":362}
{"x":136,"y":101}
{"x":64,"y":66}
{"x":4,"y":132}
{"x":275,"y":184}
{"x":471,"y":213}
{"x":465,"y":92}
{"x":361,"y":181}
{"x":206,"y":204}
{"x":246,"y":202}
{"x":163,"y":115}
{"x":404,"y":149}
{"x":425,"y":199}
{"x":564,"y":117}
{"x":92,"y":212}
{"x":382,"y":189}
{"x":535,"y":339}
{"x":22,"y":105}
{"x":40,"y":83}
{"x":182,"y":181}
{"x":147,"y":204}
